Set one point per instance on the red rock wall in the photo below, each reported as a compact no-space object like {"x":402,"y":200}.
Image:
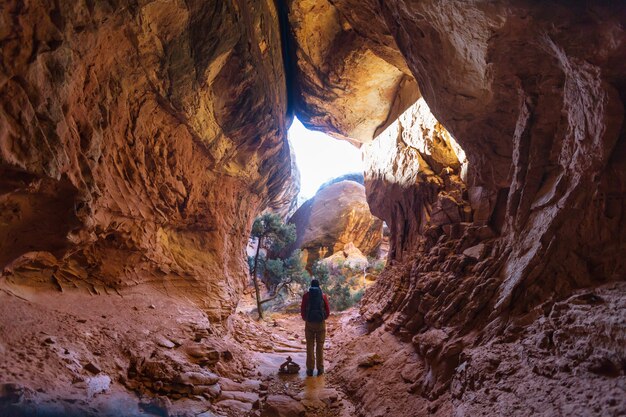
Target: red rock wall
{"x":534,"y":93}
{"x":137,"y":140}
{"x":538,"y":108}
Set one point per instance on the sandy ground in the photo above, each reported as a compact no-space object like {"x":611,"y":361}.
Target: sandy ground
{"x":72,"y":353}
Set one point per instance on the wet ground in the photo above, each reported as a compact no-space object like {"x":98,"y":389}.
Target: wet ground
{"x":317,"y":394}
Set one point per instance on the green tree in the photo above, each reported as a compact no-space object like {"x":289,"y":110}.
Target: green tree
{"x":274,"y":273}
{"x":271,"y":233}
{"x":322,"y":273}
{"x":284,"y":273}
{"x":339,"y":293}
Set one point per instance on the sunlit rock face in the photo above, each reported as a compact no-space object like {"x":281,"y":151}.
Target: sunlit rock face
{"x":538,"y":108}
{"x":349,"y":256}
{"x":349,"y":85}
{"x":336,"y":216}
{"x":137,"y":142}
{"x":413,"y":177}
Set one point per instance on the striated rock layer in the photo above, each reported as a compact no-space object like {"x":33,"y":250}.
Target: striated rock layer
{"x":420,"y":167}
{"x":137,"y":141}
{"x":534,"y":93}
{"x":336,"y":216}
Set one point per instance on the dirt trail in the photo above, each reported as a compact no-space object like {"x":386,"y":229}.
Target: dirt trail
{"x":317,"y":394}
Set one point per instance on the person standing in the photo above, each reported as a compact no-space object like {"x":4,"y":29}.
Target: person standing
{"x":314,"y":311}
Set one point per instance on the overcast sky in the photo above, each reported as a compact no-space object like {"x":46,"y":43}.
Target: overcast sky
{"x":321,"y":158}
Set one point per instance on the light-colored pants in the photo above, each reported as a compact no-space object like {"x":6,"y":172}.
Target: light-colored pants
{"x":315,"y":334}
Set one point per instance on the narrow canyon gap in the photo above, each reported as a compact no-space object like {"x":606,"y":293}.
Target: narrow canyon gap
{"x":138,"y":140}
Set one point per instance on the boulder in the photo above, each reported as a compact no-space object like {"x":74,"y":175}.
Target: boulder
{"x":350,"y":256}
{"x":240,"y":408}
{"x":198,"y":378}
{"x":336,"y":216}
{"x":369,"y":359}
{"x":282,"y":406}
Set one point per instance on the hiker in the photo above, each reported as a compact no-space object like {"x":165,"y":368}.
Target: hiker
{"x":314,"y":310}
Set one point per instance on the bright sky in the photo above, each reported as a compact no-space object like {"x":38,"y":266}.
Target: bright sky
{"x":321,"y":158}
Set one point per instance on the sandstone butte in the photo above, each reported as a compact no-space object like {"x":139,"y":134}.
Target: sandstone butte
{"x":138,"y":141}
{"x":338,"y":215}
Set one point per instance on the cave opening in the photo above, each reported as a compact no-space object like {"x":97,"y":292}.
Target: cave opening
{"x":137,"y":145}
{"x":341,"y":218}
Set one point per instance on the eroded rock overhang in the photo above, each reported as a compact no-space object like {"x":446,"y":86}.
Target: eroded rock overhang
{"x":537,"y":107}
{"x":138,"y":142}
{"x":346,"y":83}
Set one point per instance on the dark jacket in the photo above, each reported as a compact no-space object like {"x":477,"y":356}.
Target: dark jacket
{"x":305,"y":304}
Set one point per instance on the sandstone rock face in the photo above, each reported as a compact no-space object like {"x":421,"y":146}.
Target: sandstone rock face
{"x":335,"y":216}
{"x":413,"y":178}
{"x":538,"y":108}
{"x":347,"y":84}
{"x":137,"y":142}
{"x":544,"y":139}
{"x":350,"y":255}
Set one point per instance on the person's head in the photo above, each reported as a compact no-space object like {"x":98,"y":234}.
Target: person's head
{"x":315,"y":283}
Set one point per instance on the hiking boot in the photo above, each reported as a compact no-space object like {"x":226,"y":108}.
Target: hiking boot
{"x":320,"y":372}
{"x":309,"y":372}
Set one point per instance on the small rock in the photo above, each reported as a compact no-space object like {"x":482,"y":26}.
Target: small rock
{"x":212,"y":391}
{"x":238,"y":407}
{"x":282,"y":406}
{"x":198,"y":378}
{"x":97,"y":385}
{"x":159,"y":406}
{"x":164,"y":342}
{"x":328,"y":395}
{"x":50,"y":341}
{"x":93,"y":368}
{"x":370,"y":359}
{"x":475,"y":252}
{"x":81,"y":321}
{"x":151,"y":306}
{"x":203,"y":355}
{"x":246,"y":397}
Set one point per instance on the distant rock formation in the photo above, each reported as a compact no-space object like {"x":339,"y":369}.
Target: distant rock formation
{"x":336,"y":216}
{"x":350,"y":256}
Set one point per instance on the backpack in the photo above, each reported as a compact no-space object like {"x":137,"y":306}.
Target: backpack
{"x":316,"y":312}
